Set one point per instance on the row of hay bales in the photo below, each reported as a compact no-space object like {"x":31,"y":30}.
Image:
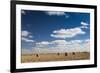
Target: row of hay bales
{"x":55,"y":57}
{"x":58,"y":54}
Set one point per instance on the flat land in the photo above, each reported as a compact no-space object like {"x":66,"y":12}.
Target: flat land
{"x":27,"y":58}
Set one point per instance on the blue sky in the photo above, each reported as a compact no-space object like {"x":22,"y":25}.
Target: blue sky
{"x":41,"y":28}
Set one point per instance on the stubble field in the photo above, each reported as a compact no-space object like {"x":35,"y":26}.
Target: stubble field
{"x":27,"y":58}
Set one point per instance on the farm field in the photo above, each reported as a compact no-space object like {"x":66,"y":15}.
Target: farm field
{"x":27,"y":58}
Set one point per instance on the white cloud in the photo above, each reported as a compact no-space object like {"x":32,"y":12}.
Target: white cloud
{"x":87,"y":40}
{"x":76,"y":41}
{"x":84,"y":23}
{"x":67,"y":33}
{"x":58,"y":13}
{"x":42,"y":44}
{"x":26,"y":51}
{"x":25,"y":33}
{"x":59,"y":41}
{"x":26,"y":36}
{"x":27,"y":39}
{"x":55,"y":43}
{"x":61,"y":46}
{"x":30,"y":36}
{"x":23,"y":12}
{"x":84,"y":27}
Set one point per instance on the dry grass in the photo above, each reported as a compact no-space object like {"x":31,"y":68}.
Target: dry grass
{"x":26,"y":58}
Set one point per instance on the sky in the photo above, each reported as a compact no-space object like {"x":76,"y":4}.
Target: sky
{"x":54,"y":31}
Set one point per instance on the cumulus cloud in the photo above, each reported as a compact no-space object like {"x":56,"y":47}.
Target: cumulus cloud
{"x":26,"y":36}
{"x":58,"y":13}
{"x":30,"y":36}
{"x":85,"y":27}
{"x":61,"y":42}
{"x":67,"y":33}
{"x":53,"y":43}
{"x":61,"y":46}
{"x":27,"y":39}
{"x":76,"y":41}
{"x":25,"y":33}
{"x":84,"y":23}
{"x":42,"y":44}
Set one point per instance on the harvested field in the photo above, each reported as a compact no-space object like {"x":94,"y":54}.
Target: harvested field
{"x":26,"y":58}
